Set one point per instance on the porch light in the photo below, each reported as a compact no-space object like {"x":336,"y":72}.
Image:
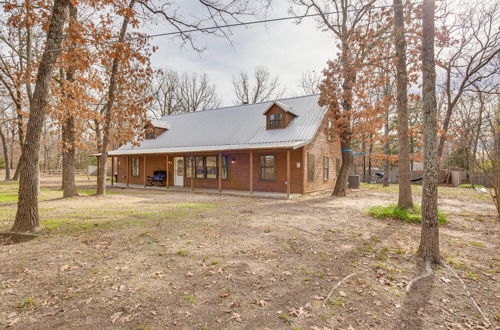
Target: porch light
{"x":233,"y":160}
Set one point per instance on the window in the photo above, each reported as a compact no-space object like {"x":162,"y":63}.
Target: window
{"x":199,"y":167}
{"x":211,"y":167}
{"x":326,"y":168}
{"x":150,"y":135}
{"x":207,"y":167}
{"x":275,"y":120}
{"x":135,"y":166}
{"x":267,"y":168}
{"x":189,"y":166}
{"x":225,"y":171}
{"x":329,"y":131}
{"x":310,"y":167}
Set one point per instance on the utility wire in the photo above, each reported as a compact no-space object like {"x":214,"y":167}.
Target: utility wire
{"x":220,"y":27}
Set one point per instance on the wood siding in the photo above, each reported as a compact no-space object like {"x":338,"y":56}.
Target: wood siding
{"x":318,"y":148}
{"x":239,"y":166}
{"x":238,"y":171}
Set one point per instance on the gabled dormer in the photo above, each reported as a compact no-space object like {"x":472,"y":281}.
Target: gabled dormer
{"x":155,"y":128}
{"x":279,"y":115}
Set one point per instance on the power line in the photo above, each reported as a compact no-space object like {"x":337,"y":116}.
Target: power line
{"x":220,"y":27}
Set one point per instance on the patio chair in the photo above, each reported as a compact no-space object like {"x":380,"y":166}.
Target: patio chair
{"x":158,"y":178}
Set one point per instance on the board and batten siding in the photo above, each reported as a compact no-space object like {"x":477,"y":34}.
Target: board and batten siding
{"x":319,"y":147}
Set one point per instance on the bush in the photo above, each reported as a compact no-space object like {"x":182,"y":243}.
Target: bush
{"x":413,"y":215}
{"x":2,"y":163}
{"x":468,"y":185}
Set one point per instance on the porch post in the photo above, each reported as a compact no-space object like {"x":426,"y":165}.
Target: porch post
{"x":192,"y":173}
{"x":168,"y":172}
{"x":112,"y":170}
{"x":128,"y":171}
{"x":220,"y":172}
{"x":144,"y":171}
{"x":251,"y":172}
{"x":288,"y":174}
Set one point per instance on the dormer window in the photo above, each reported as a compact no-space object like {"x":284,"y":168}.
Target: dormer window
{"x":155,"y":128}
{"x":278,"y":115}
{"x":276,"y":120}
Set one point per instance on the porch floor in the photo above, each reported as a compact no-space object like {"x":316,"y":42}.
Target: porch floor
{"x":243,"y":193}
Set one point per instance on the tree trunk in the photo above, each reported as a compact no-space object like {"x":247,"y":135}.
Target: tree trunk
{"x":496,"y":157}
{"x":106,"y":130}
{"x":475,"y":140}
{"x":341,"y":183}
{"x":370,"y":151}
{"x":68,"y":158}
{"x":429,"y":239}
{"x":27,"y":218}
{"x":386,"y":150}
{"x":5,"y":148}
{"x":405,"y":198}
{"x":69,"y":135}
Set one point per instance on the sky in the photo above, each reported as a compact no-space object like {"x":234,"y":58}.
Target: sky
{"x":285,"y":48}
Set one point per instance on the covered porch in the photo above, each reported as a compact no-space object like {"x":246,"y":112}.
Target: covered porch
{"x":226,"y":192}
{"x":269,"y":173}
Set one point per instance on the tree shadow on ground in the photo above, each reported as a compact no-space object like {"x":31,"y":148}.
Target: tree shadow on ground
{"x":417,"y":299}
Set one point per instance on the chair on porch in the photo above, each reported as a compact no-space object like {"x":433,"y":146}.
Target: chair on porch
{"x":158,"y":178}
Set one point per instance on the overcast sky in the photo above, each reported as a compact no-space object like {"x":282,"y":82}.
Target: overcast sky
{"x":285,"y":48}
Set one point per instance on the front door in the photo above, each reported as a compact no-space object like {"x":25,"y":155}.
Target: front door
{"x":178,"y":171}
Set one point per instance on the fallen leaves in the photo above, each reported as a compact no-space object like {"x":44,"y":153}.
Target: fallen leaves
{"x":115,"y":317}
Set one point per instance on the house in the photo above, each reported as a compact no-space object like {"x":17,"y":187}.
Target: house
{"x":285,"y":146}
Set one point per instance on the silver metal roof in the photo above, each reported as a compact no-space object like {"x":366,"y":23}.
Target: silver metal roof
{"x":160,"y":124}
{"x":231,"y":128}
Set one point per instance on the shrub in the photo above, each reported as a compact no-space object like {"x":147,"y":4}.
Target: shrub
{"x":468,"y":185}
{"x":413,"y":215}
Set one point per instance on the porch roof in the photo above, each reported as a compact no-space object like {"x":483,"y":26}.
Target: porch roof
{"x":241,"y":127}
{"x":227,"y":147}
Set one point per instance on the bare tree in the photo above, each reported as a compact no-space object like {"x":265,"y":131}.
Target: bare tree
{"x":264,"y":87}
{"x":5,"y":146}
{"x":27,"y":218}
{"x":111,"y":95}
{"x":164,"y":90}
{"x":196,"y":93}
{"x":405,"y":199}
{"x":467,"y":52}
{"x":217,"y":12}
{"x":310,"y":81}
{"x":357,"y":26}
{"x":429,"y":239}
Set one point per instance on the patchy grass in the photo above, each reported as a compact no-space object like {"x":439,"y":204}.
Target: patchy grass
{"x":469,"y":186}
{"x":218,"y":266}
{"x":413,"y":215}
{"x":189,"y":299}
{"x":448,"y":192}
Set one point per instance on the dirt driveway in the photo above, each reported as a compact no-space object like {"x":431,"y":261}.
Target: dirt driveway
{"x":154,"y":260}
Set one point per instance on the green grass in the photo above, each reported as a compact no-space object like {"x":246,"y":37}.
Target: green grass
{"x":449,"y":192}
{"x":468,"y":186}
{"x":189,"y":299}
{"x":392,"y":211}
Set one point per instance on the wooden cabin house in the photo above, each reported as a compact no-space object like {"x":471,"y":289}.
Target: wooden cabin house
{"x":286,"y":146}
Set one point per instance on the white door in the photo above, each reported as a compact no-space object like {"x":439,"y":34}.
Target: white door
{"x":178,"y":171}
